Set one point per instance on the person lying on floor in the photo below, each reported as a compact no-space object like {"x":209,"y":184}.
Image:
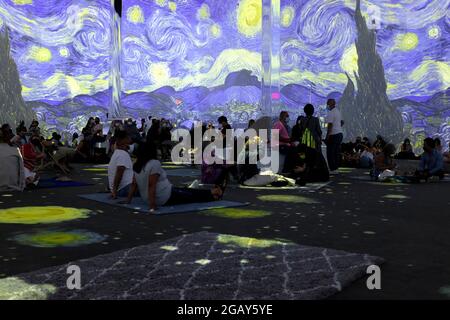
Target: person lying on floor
{"x":431,"y":162}
{"x":120,"y":167}
{"x":310,"y":166}
{"x":154,"y":187}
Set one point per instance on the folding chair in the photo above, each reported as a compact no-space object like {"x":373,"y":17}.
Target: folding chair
{"x":50,"y":161}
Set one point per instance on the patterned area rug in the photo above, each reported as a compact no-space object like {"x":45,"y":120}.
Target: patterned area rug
{"x":200,"y":266}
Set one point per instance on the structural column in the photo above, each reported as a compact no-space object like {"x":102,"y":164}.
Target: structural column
{"x":115,"y":110}
{"x":270,"y":104}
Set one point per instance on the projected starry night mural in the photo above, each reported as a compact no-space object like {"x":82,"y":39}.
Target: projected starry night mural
{"x":202,"y":58}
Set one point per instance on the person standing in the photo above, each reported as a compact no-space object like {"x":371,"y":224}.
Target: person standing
{"x":334,"y":136}
{"x":286,"y":147}
{"x":307,"y":130}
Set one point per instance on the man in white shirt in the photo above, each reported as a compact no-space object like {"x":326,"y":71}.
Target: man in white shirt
{"x":120,"y":168}
{"x":334,"y":136}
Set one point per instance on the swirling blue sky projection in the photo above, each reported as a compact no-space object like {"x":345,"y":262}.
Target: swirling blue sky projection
{"x":202,"y":57}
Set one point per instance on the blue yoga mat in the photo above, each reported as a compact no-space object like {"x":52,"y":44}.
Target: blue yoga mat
{"x":140,"y":205}
{"x":53,"y":183}
{"x":184,"y":172}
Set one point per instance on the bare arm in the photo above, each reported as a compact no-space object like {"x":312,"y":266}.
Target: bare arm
{"x":152,"y":182}
{"x":117,"y":179}
{"x":132,"y":191}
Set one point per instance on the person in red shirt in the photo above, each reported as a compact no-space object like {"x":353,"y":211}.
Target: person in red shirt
{"x":287,"y":147}
{"x":31,"y":154}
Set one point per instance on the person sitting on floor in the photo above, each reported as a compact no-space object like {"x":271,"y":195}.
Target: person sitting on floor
{"x":349,"y":157}
{"x":12,"y":176}
{"x":379,"y":143}
{"x":310,"y":166}
{"x":406,"y":151}
{"x":431,"y":161}
{"x":31,"y":153}
{"x":34,"y":128}
{"x":21,"y":136}
{"x":154,"y":187}
{"x":366,"y":158}
{"x":120,"y":167}
{"x":438,"y":145}
{"x":384,"y":161}
{"x":447,"y":155}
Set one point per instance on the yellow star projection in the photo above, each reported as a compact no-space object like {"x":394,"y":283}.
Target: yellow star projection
{"x":40,"y":54}
{"x":407,"y":42}
{"x":22,"y":2}
{"x":135,"y":14}
{"x":249,"y":17}
{"x":287,"y":16}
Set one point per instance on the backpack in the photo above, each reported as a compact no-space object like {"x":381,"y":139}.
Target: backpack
{"x":307,"y":137}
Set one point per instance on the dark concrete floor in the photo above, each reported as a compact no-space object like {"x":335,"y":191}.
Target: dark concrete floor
{"x":410,"y":232}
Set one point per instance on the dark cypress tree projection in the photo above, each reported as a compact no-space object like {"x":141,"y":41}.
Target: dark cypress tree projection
{"x":12,"y":106}
{"x":368,"y":111}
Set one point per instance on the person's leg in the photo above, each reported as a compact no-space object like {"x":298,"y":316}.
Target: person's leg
{"x":187,"y":195}
{"x":290,"y":160}
{"x":331,"y":154}
{"x":337,"y":141}
{"x":123,"y":193}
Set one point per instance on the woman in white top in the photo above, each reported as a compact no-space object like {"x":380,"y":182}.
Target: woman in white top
{"x":155,"y":188}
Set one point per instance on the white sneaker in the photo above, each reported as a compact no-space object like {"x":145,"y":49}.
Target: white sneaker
{"x":334,"y":172}
{"x":194,"y":185}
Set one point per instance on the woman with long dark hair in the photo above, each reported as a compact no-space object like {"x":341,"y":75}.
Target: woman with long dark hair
{"x":155,"y":188}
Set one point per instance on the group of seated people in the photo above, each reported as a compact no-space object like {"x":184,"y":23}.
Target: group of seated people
{"x":157,"y":130}
{"x":300,"y":145}
{"x":431,"y":164}
{"x":32,"y":149}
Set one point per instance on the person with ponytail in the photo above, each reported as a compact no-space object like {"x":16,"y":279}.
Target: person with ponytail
{"x":156,"y":189}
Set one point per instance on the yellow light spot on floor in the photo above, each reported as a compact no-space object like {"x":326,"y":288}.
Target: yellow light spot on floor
{"x":14,"y":288}
{"x":245,"y":242}
{"x":236,"y":213}
{"x":287,"y":198}
{"x":96,"y":169}
{"x":52,"y":239}
{"x":395,"y":196}
{"x":169,"y":248}
{"x":44,"y":214}
{"x":203,"y":262}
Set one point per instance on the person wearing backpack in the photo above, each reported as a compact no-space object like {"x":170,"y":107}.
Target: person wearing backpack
{"x":307,"y":131}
